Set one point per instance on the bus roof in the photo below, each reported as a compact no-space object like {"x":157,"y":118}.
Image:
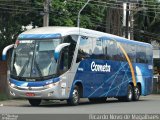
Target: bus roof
{"x":63,"y":31}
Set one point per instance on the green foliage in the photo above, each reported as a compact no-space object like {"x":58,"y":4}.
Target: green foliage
{"x":9,"y":29}
{"x":148,"y":21}
{"x":65,"y":13}
{"x":15,"y":14}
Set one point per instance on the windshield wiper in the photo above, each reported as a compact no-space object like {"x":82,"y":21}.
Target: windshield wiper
{"x":23,"y":69}
{"x":39,"y":71}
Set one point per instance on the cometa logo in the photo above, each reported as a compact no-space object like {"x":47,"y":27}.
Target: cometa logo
{"x":100,"y":68}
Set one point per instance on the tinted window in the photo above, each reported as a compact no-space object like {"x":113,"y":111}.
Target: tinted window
{"x":120,"y":54}
{"x":141,"y":54}
{"x":149,"y":55}
{"x":132,"y":53}
{"x":98,"y":51}
{"x":85,"y":48}
{"x":67,"y":53}
{"x":106,"y":49}
{"x":112,"y":50}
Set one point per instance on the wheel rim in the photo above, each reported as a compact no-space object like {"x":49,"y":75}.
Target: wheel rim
{"x":137,"y":93}
{"x":75,"y":96}
{"x":130,"y":94}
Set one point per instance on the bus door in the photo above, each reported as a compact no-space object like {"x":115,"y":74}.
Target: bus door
{"x":66,"y":58}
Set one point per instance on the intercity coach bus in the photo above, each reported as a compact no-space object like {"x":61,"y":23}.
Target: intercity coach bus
{"x":69,"y":63}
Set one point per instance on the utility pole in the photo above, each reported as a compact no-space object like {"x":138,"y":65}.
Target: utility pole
{"x":132,"y":21}
{"x":124,"y":18}
{"x":133,"y":10}
{"x":129,"y":9}
{"x":113,"y":20}
{"x":46,"y":13}
{"x":79,"y":13}
{"x":126,"y":14}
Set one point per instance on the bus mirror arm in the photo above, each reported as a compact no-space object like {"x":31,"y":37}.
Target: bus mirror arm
{"x":58,"y":50}
{"x":5,"y":50}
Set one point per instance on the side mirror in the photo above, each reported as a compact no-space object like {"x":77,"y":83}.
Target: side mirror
{"x":58,"y":50}
{"x":5,"y":50}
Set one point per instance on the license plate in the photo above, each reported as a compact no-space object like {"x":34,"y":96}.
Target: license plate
{"x":30,"y":94}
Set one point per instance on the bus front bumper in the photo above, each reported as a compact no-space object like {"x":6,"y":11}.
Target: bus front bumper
{"x":37,"y":93}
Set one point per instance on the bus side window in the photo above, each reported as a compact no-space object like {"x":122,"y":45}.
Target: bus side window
{"x":98,"y":49}
{"x":105,"y":42}
{"x":130,"y":49}
{"x":64,"y":62}
{"x":67,"y":53}
{"x":149,"y":55}
{"x":141,"y":54}
{"x":85,"y":48}
{"x":121,"y":56}
{"x":112,"y":50}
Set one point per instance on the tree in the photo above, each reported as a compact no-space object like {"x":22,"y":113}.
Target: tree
{"x":64,"y":13}
{"x":148,"y":21}
{"x":14,"y":15}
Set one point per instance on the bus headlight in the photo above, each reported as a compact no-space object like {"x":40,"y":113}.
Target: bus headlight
{"x":51,"y":85}
{"x":12,"y":85}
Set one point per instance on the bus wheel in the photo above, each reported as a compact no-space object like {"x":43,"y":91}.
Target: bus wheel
{"x":75,"y":97}
{"x":34,"y":102}
{"x":136,"y":93}
{"x":129,"y":96}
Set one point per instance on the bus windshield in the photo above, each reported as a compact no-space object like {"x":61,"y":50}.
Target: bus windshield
{"x":34,"y":58}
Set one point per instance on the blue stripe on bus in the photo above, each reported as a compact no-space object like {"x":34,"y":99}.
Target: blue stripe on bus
{"x":38,"y":36}
{"x":113,"y":83}
{"x":4,"y":57}
{"x":33,"y":84}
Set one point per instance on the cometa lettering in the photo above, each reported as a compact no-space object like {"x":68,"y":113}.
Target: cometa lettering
{"x":100,"y":68}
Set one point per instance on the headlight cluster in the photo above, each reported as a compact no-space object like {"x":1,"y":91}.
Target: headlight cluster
{"x":46,"y":86}
{"x":51,"y":85}
{"x":12,"y":85}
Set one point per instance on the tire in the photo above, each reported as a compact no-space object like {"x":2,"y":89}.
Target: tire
{"x":136,"y":93}
{"x":129,"y":96}
{"x":98,"y":100}
{"x":75,"y":97}
{"x":34,"y":102}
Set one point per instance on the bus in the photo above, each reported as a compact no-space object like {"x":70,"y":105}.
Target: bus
{"x":69,"y":63}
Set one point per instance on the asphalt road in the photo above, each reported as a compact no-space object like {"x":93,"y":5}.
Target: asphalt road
{"x":147,"y":104}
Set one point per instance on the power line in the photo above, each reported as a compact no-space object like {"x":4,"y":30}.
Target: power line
{"x":18,"y":6}
{"x":148,"y":15}
{"x":115,"y":7}
{"x":101,"y":24}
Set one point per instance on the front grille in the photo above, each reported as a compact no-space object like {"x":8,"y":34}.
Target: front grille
{"x":31,"y":88}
